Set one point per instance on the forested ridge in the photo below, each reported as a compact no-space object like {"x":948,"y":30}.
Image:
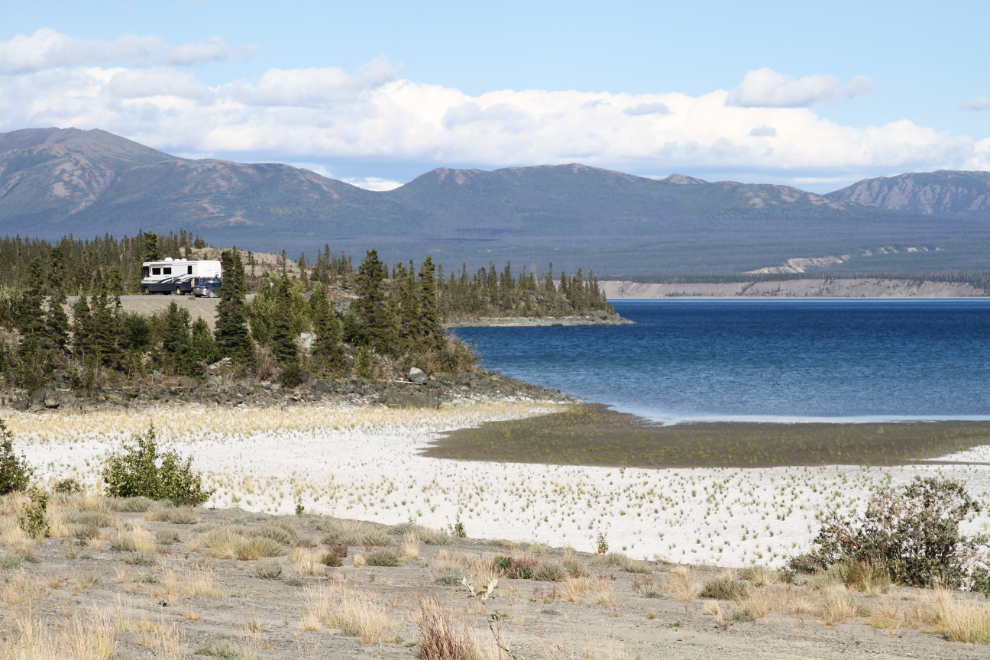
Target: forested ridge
{"x":372,"y":322}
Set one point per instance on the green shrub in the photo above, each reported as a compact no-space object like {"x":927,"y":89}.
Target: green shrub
{"x":180,"y":516}
{"x":67,"y":486}
{"x":15,"y":473}
{"x":382,"y":558}
{"x":550,"y":571}
{"x":140,"y":470}
{"x":377,"y":538}
{"x":33,"y":521}
{"x":725,"y":589}
{"x":434,"y":537}
{"x":269,"y":570}
{"x":913,"y":536}
{"x":449,"y":576}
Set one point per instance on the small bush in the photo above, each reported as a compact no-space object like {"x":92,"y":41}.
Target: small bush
{"x":269,"y":570}
{"x":15,"y":473}
{"x":449,"y":576}
{"x":377,"y":538}
{"x":725,"y":589}
{"x":382,"y":558}
{"x":275,"y":533}
{"x":622,"y":562}
{"x":862,"y":576}
{"x":33,"y":521}
{"x":135,"y":504}
{"x":166,"y":537}
{"x":141,"y":470}
{"x":574,"y":567}
{"x":331,"y":560}
{"x":653,"y":594}
{"x":515,"y":568}
{"x":219,"y":648}
{"x":257,"y":548}
{"x":67,"y":486}
{"x":434,"y":537}
{"x":550,"y":571}
{"x":912,"y":535}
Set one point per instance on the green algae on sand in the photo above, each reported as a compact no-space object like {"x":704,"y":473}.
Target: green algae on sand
{"x":592,"y":434}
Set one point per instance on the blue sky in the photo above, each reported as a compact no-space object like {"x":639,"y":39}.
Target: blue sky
{"x":816,"y":95}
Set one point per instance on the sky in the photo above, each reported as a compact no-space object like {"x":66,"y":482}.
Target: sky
{"x":811,"y":94}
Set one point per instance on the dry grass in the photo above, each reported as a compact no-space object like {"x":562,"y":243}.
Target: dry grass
{"x":355,"y":614}
{"x":14,"y":538}
{"x":605,"y":595}
{"x":837,"y":605}
{"x":760,"y":576}
{"x":359,"y":560}
{"x":202,"y":586}
{"x":442,"y":636}
{"x":888,"y":615}
{"x":958,"y":620}
{"x":758,"y":603}
{"x":575,"y":589}
{"x":409,"y":547}
{"x":88,"y":637}
{"x":684,"y":585}
{"x":306,"y":562}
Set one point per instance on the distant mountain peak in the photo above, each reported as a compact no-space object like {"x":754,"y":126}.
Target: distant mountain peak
{"x":943,"y":192}
{"x":682,"y":180}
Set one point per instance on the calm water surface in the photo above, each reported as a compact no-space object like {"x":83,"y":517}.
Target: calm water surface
{"x":787,"y":360}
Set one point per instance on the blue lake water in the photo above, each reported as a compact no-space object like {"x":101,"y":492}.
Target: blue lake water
{"x":775,"y":360}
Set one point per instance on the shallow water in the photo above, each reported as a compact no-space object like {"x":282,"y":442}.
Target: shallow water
{"x":773,"y":360}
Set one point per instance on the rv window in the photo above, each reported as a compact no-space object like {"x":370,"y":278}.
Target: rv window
{"x":188,"y":270}
{"x":144,"y":272}
{"x":167,"y":270}
{"x":156,"y":271}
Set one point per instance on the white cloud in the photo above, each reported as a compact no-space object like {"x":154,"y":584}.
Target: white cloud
{"x":47,"y":49}
{"x":199,"y":52}
{"x":373,"y":183}
{"x":312,"y":88}
{"x":765,"y":88}
{"x":647,"y":109}
{"x":979,"y":103}
{"x":372,"y":113}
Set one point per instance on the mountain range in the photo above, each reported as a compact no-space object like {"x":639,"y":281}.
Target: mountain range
{"x":55,"y":182}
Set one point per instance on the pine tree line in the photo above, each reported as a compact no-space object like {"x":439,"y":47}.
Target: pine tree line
{"x":87,"y":262}
{"x":490,"y":293}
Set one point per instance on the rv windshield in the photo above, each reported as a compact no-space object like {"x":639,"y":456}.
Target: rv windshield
{"x":144,"y":271}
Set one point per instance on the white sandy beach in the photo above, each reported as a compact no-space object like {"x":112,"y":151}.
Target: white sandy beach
{"x":364,"y":464}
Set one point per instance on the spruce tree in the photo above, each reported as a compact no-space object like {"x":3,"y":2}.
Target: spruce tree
{"x":32,"y":357}
{"x":283,"y":340}
{"x":327,"y":350}
{"x":56,"y":336}
{"x":232,"y":335}
{"x":429,"y":312}
{"x":151,"y":251}
{"x":82,"y":328}
{"x":371,"y":305}
{"x":204,"y":346}
{"x":176,"y":355}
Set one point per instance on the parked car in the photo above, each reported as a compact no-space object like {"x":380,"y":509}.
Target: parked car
{"x":207,"y":288}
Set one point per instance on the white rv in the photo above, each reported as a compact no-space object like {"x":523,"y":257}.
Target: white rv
{"x":176,"y":275}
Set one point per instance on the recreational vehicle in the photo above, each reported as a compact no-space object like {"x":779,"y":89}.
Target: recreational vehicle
{"x":175,"y":275}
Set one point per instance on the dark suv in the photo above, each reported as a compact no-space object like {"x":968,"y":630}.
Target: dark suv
{"x":207,"y":288}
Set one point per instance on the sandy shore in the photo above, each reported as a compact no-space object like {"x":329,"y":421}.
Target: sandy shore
{"x":368,"y":464}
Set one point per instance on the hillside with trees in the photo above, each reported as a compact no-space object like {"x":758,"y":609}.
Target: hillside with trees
{"x":371,"y":322}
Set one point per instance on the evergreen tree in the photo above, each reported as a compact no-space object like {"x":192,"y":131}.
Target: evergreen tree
{"x":232,"y":335}
{"x":82,"y":327}
{"x":32,"y":357}
{"x":151,"y":251}
{"x":56,"y":336}
{"x":204,"y":346}
{"x":176,"y":354}
{"x":283,"y":340}
{"x":371,"y":305}
{"x":327,"y":351}
{"x":429,"y":311}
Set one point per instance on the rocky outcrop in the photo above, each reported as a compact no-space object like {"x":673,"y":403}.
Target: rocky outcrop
{"x":599,"y":317}
{"x":945,"y":192}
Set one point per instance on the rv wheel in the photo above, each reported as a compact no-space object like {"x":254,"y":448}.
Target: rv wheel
{"x":145,"y":290}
